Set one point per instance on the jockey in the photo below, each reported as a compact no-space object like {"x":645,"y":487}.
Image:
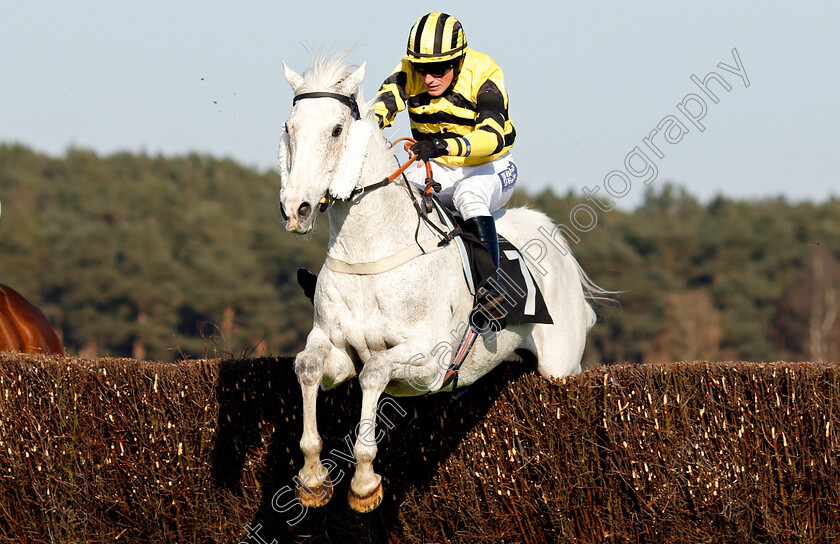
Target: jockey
{"x":458,"y":108}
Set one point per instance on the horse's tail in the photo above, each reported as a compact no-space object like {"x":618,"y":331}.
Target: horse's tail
{"x":593,"y":292}
{"x":595,"y":295}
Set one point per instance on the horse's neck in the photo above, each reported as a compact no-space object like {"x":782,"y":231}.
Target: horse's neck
{"x":378,"y":223}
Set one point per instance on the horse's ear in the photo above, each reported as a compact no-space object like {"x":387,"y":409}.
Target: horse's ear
{"x":349,"y":85}
{"x":291,"y":76}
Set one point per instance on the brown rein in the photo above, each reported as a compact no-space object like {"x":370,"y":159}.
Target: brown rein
{"x":431,"y":185}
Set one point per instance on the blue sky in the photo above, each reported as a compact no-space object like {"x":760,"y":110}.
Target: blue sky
{"x":587,"y":82}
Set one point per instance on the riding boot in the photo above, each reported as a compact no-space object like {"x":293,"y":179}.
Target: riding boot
{"x":307,"y":280}
{"x":490,"y":308}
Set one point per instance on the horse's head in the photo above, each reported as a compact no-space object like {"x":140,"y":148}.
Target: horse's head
{"x":314,"y":140}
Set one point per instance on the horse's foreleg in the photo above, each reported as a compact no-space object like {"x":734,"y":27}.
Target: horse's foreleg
{"x":366,"y":486}
{"x":314,"y":485}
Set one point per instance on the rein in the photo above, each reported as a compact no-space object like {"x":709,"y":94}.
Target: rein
{"x":408,"y":253}
{"x":431,"y":185}
{"x":397,"y":173}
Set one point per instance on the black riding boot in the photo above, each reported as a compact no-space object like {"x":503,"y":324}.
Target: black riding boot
{"x":491,"y":306}
{"x":307,"y":280}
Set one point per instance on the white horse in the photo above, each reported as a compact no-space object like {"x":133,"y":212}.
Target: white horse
{"x":383,"y":311}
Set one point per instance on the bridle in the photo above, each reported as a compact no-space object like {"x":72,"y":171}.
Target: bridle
{"x":348,"y":100}
{"x":431,"y":185}
{"x":351,"y":103}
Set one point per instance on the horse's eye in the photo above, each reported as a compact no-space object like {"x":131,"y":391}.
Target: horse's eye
{"x":337,"y":131}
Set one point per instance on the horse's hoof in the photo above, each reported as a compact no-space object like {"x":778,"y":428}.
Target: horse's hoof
{"x":365,"y":503}
{"x":315,"y":497}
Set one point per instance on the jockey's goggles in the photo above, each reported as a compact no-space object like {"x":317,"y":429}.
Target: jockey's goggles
{"x":434,"y":69}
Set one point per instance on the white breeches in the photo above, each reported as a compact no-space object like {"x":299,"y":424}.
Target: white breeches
{"x":471,"y":190}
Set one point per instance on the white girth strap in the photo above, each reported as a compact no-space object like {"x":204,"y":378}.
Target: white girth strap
{"x":401,"y":257}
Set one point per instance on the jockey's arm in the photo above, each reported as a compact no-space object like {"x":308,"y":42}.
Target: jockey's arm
{"x":491,"y":112}
{"x":488,"y":138}
{"x":392,"y":96}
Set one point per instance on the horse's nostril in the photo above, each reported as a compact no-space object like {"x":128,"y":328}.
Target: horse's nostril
{"x":304,"y":210}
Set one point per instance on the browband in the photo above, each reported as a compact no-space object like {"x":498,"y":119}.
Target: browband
{"x":349,"y":100}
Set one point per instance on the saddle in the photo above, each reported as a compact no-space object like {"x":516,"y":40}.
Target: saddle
{"x":524,"y":300}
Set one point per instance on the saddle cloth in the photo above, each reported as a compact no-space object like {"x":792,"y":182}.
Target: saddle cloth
{"x":524,"y":300}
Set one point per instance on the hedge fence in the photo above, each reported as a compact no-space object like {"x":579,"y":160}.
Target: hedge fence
{"x":104,"y":451}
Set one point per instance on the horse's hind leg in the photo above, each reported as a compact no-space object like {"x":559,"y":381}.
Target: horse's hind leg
{"x":314,"y":485}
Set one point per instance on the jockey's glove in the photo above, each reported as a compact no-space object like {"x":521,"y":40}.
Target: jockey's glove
{"x":429,"y":149}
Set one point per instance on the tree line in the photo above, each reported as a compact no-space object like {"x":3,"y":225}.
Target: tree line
{"x":164,"y":258}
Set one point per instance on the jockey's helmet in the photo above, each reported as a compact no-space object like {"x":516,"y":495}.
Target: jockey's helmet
{"x":434,"y":38}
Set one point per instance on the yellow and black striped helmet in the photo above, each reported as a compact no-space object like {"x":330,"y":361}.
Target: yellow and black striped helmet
{"x":436,"y":37}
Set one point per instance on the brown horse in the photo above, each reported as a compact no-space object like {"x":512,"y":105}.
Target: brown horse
{"x":23,"y":327}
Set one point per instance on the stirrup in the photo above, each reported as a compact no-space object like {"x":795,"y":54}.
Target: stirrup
{"x":464,"y":347}
{"x":490,"y":312}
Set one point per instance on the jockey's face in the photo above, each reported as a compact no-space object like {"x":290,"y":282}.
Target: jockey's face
{"x":436,"y":85}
